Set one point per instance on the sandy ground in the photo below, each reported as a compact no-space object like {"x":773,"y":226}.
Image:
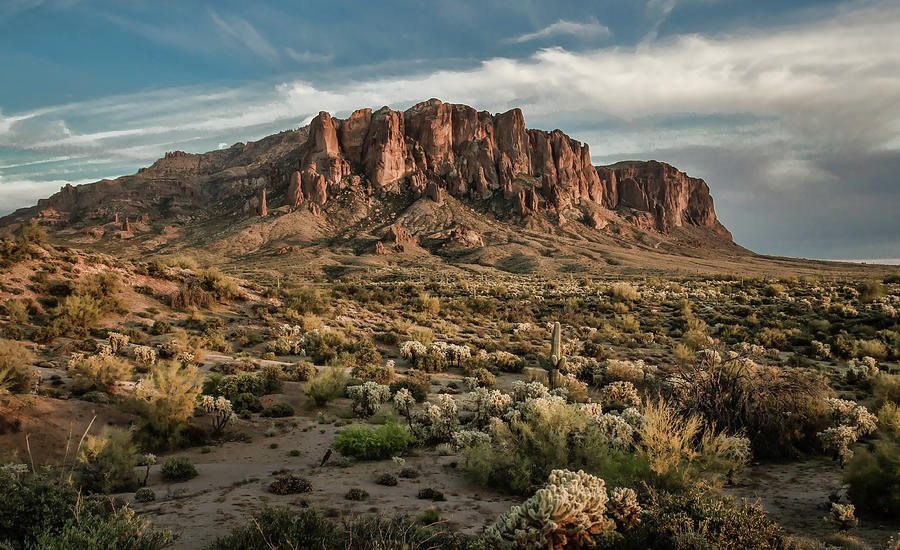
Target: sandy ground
{"x":796,"y":495}
{"x":233,"y":480}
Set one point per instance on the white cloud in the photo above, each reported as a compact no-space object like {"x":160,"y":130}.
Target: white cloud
{"x":244,"y":33}
{"x":308,"y":56}
{"x":562,"y":27}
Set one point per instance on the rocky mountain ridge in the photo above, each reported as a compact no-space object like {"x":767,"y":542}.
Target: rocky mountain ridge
{"x":342,"y":171}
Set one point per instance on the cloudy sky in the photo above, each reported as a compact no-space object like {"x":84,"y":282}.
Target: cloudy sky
{"x":789,"y":109}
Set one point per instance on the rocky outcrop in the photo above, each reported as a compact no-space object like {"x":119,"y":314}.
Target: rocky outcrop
{"x":437,"y":147}
{"x":671,"y":197}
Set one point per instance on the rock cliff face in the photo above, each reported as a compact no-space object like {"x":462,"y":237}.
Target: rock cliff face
{"x":433,"y":149}
{"x":437,"y":147}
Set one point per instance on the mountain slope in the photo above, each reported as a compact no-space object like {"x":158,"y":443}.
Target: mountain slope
{"x":437,"y":179}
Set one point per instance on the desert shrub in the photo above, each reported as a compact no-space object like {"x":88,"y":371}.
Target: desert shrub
{"x":889,"y":420}
{"x":886,"y":387}
{"x":16,"y":373}
{"x":144,"y":494}
{"x":324,"y":345}
{"x":245,"y":382}
{"x":328,"y":384}
{"x":246,"y":402}
{"x":306,"y":300}
{"x":290,"y":484}
{"x":283,"y":529}
{"x":387,"y":480}
{"x":91,"y":299}
{"x":304,"y":371}
{"x":545,"y":435}
{"x":700,"y":519}
{"x":221,"y":286}
{"x":874,"y":478}
{"x":95,"y":527}
{"x":279,"y":529}
{"x":373,"y":443}
{"x":31,"y":504}
{"x":166,"y":398}
{"x":271,"y":376}
{"x":17,"y":310}
{"x":178,"y":469}
{"x":98,"y":372}
{"x":355,"y":493}
{"x":781,"y":410}
{"x":844,"y":346}
{"x":872,"y":348}
{"x":106,"y":462}
{"x":161,"y":327}
{"x":624,"y":292}
{"x":368,"y":397}
{"x":375,"y":372}
{"x":483,"y":378}
{"x":191,"y":296}
{"x":871,"y":290}
{"x":278,"y":410}
{"x":417,"y":382}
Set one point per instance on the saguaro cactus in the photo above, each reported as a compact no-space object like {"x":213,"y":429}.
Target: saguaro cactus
{"x":557,"y":360}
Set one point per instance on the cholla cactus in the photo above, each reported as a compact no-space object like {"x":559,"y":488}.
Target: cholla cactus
{"x":144,"y":355}
{"x":117,"y":341}
{"x":104,"y":350}
{"x":404,"y":401}
{"x":290,"y":331}
{"x":621,"y":392}
{"x":623,"y":508}
{"x":456,"y":354}
{"x":615,"y":431}
{"x":489,"y":404}
{"x":411,"y":349}
{"x":838,"y":440}
{"x":843,"y":516}
{"x":468,"y":438}
{"x":220,"y":409}
{"x":436,"y":423}
{"x":523,"y":391}
{"x":564,"y":514}
{"x":820,"y":350}
{"x":368,"y":397}
{"x":861,"y":370}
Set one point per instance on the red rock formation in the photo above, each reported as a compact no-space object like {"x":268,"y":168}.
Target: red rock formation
{"x":294,"y":197}
{"x":465,"y":236}
{"x":430,"y":149}
{"x":399,"y":237}
{"x":263,"y":209}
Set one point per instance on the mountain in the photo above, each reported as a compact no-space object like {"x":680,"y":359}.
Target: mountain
{"x":437,"y":179}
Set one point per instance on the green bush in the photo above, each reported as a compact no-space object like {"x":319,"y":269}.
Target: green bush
{"x":92,"y":528}
{"x":373,"y":443}
{"x":106,"y":462}
{"x":178,"y":469}
{"x":355,"y":493}
{"x":886,"y":387}
{"x":278,"y":410}
{"x":45,"y":511}
{"x":328,"y":384}
{"x":375,"y":372}
{"x":874,"y":478}
{"x":305,"y":300}
{"x":246,"y":402}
